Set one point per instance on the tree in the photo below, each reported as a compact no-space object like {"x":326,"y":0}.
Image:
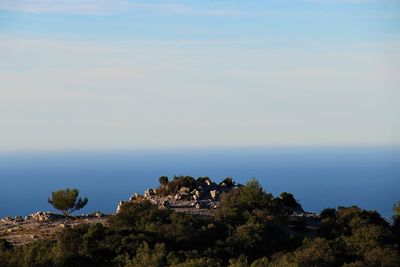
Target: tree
{"x":163,"y":180}
{"x":288,"y":200}
{"x":228,"y":181}
{"x":67,"y":200}
{"x":396,"y":209}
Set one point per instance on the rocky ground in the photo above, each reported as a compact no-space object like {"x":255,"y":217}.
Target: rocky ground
{"x":41,"y":225}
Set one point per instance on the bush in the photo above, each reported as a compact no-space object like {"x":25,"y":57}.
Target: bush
{"x":228,"y":181}
{"x":148,"y":257}
{"x":313,"y":252}
{"x":262,"y":262}
{"x":140,"y":215}
{"x":287,"y":200}
{"x":237,"y":205}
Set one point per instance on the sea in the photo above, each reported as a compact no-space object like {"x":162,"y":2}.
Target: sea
{"x":318,"y":177}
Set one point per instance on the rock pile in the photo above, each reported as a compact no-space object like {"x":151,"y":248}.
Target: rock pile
{"x":43,"y":216}
{"x":202,"y":194}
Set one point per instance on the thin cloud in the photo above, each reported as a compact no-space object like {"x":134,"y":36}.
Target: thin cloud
{"x":108,"y":7}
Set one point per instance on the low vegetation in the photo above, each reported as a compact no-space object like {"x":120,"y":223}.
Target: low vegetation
{"x":250,"y":228}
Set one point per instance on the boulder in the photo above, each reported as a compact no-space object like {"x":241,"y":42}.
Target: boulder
{"x":183,"y":196}
{"x":214,"y":194}
{"x":200,"y":205}
{"x":149,"y":193}
{"x":6,"y":219}
{"x":134,"y":196}
{"x":198,"y":193}
{"x":42,"y":216}
{"x":120,"y":204}
{"x":184,"y":189}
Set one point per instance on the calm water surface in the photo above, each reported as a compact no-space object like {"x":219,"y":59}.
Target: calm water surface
{"x":319,"y":178}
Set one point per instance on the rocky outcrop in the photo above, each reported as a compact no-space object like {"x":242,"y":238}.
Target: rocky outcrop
{"x":149,"y":193}
{"x":202,"y":194}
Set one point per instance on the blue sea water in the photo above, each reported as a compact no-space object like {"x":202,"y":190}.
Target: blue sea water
{"x":318,"y":177}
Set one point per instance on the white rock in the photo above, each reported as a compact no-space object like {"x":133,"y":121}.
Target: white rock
{"x":120,"y":204}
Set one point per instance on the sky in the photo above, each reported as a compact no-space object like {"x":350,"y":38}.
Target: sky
{"x":120,"y":74}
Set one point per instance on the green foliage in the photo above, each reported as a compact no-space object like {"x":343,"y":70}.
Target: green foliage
{"x":237,"y":205}
{"x":148,"y":257}
{"x":382,"y":256}
{"x":313,"y":252}
{"x":335,"y":223}
{"x":288,"y":201}
{"x":171,"y":187}
{"x":35,"y":254}
{"x":4,"y":245}
{"x":163,"y":180}
{"x":142,"y":216}
{"x":238,"y":262}
{"x":328,"y":213}
{"x":67,"y":200}
{"x":200,"y":262}
{"x":262,"y":262}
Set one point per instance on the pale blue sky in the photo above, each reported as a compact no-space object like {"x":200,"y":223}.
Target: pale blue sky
{"x":146,"y":74}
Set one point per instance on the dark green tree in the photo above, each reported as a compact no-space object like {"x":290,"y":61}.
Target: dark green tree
{"x":396,"y":209}
{"x":67,"y":200}
{"x":396,"y":222}
{"x":228,"y":181}
{"x":163,"y":180}
{"x":288,"y":200}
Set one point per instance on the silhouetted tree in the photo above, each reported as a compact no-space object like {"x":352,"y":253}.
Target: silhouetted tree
{"x":67,"y":200}
{"x":163,"y":180}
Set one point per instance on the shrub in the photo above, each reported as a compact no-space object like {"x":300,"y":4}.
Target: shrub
{"x":237,"y":205}
{"x":148,"y":257}
{"x":140,"y":215}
